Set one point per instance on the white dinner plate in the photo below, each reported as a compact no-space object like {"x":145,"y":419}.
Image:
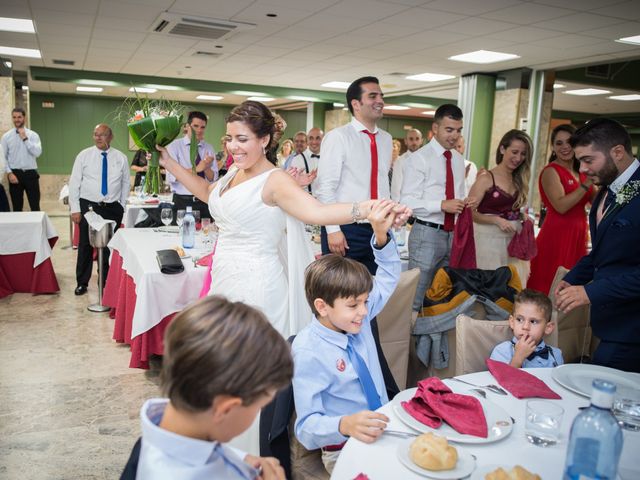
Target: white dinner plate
{"x":499,"y":423}
{"x":464,"y":467}
{"x":169,"y":229}
{"x":578,"y":377}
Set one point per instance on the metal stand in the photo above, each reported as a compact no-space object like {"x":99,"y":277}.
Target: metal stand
{"x":66,"y":247}
{"x":98,"y":307}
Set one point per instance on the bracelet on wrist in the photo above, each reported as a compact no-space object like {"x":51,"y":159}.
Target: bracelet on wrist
{"x":586,"y":189}
{"x":355,"y":212}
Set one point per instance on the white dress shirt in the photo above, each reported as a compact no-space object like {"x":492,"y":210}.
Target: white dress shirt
{"x":86,"y":178}
{"x":179,"y":150}
{"x":21,"y":154}
{"x":424,"y":181}
{"x":473,"y":174}
{"x":168,"y":455}
{"x":344,"y":175}
{"x":396,"y":178}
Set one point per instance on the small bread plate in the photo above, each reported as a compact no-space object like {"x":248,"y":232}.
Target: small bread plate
{"x":578,"y":377}
{"x":483,"y":470}
{"x":169,"y":229}
{"x":464,"y":467}
{"x":499,"y":422}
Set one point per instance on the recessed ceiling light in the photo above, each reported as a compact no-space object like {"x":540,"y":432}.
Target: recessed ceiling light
{"x":142,"y":90}
{"x":25,"y":87}
{"x":419,"y":105}
{"x":209,"y":97}
{"x":483,"y":56}
{"x":8,"y":63}
{"x":626,"y":98}
{"x":103,"y":83}
{"x":20,"y":52}
{"x":23,"y":25}
{"x":396,"y":107}
{"x":587,"y":91}
{"x":430,"y":77}
{"x":245,"y":93}
{"x":163,"y":87}
{"x":80,"y":88}
{"x":336,"y":84}
{"x":338,"y":105}
{"x":303,"y":98}
{"x":559,"y":85}
{"x":635,"y":40}
{"x":429,"y":113}
{"x":261,"y":99}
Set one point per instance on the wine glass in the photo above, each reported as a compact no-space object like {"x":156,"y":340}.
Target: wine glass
{"x":179,"y":219}
{"x":206,"y":224}
{"x":166,"y":216}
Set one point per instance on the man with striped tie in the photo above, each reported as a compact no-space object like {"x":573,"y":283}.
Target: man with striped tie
{"x":99,"y":180}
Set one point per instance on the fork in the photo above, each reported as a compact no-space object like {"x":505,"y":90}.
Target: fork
{"x":491,"y":388}
{"x":398,"y":433}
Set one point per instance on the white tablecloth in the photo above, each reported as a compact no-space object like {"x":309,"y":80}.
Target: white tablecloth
{"x":22,"y":232}
{"x":135,"y":205}
{"x":379,"y":460}
{"x":158,"y":294}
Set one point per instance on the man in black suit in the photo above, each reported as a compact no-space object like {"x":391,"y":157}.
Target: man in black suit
{"x":608,"y":278}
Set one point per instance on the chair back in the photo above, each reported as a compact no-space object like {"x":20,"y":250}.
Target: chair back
{"x":394,"y":326}
{"x":573,"y":328}
{"x":475,"y":339}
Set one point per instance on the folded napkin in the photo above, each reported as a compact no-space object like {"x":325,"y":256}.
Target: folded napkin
{"x":518,"y":382}
{"x":205,"y":261}
{"x":434,"y":403}
{"x":169,"y":261}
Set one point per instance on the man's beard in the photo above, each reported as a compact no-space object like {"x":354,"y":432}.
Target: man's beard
{"x":608,"y":173}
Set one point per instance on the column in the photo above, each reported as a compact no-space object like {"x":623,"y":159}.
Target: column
{"x":476,"y":94}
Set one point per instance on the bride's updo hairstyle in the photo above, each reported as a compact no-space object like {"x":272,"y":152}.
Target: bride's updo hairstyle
{"x":260,"y":121}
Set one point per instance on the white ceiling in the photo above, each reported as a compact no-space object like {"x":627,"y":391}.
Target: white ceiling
{"x":311,"y":42}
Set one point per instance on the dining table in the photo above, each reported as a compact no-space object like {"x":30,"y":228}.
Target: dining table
{"x":144,"y":300}
{"x":26,"y":244}
{"x":381,"y":460}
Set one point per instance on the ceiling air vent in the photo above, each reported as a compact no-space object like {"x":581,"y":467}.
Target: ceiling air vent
{"x":63,"y":62}
{"x":598,"y":71}
{"x":202,"y":53}
{"x":196,"y":27}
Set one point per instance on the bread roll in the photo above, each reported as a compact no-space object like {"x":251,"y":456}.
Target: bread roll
{"x":180,"y":251}
{"x":432,"y":452}
{"x":516,"y":473}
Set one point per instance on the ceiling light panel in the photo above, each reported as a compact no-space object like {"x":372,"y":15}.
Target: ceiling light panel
{"x":81,"y":88}
{"x":626,"y":98}
{"x":261,"y":99}
{"x":587,"y":92}
{"x":430,"y":77}
{"x":20,"y":52}
{"x":22,"y":25}
{"x":483,"y":56}
{"x":142,"y":90}
{"x":336,"y":84}
{"x":212,"y":98}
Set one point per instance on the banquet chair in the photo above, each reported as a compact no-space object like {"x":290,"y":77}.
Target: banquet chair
{"x":394,"y":326}
{"x":574,"y":332}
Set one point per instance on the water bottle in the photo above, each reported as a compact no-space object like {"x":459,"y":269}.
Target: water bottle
{"x":188,"y":229}
{"x":595,"y":442}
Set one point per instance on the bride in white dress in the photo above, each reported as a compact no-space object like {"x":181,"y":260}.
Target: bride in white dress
{"x":260,"y":209}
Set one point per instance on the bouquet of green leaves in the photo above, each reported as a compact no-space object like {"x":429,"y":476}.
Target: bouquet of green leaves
{"x":155,"y":122}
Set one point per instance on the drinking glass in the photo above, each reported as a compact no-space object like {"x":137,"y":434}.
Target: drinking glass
{"x":196,"y":217}
{"x":626,"y":408}
{"x":179,"y":219}
{"x":542,"y":426}
{"x":138,"y":191}
{"x":206,"y":227}
{"x":166,"y":216}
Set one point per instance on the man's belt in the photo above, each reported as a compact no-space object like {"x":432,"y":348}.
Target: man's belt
{"x":437,"y":226}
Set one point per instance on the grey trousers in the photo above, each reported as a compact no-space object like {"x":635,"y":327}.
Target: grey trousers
{"x":428,"y":250}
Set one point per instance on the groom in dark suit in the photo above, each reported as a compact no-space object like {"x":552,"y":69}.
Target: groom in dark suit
{"x":608,"y":278}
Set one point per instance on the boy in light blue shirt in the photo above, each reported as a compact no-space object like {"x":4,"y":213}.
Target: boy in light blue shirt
{"x":337,"y":381}
{"x":530,"y":321}
{"x":216,"y":386}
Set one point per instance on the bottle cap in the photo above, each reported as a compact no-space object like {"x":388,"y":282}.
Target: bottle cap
{"x":189,"y":208}
{"x":602,"y":394}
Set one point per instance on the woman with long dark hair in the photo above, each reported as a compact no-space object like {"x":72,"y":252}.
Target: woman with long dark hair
{"x":565,"y":192}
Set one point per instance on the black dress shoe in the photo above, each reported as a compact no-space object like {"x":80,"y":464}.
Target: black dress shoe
{"x":80,"y":290}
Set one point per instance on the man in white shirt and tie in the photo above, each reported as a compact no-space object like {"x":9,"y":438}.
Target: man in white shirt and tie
{"x":433,"y":187}
{"x":100,"y":180}
{"x":355,"y":166}
{"x":307,"y":161}
{"x":413,"y":141}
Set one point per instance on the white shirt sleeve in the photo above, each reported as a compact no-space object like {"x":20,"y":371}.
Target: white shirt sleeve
{"x":334,"y":152}
{"x":74,"y":185}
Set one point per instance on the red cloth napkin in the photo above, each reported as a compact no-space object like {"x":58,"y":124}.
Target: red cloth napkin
{"x":463,"y":248}
{"x":434,"y":403}
{"x":361,"y":476}
{"x":518,"y":382}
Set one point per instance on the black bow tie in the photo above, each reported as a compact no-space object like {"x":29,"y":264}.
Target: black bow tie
{"x":542,"y":353}
{"x":315,"y":155}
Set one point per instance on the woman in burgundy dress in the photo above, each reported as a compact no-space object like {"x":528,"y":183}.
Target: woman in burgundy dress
{"x":565,"y":192}
{"x":503,"y":191}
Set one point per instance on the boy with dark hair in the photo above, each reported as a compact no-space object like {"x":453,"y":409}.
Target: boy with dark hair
{"x":338,"y":382}
{"x":216,"y":385}
{"x":530,"y":321}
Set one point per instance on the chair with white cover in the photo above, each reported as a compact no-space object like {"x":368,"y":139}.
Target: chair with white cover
{"x":575,"y":339}
{"x":475,"y":339}
{"x":394,"y":326}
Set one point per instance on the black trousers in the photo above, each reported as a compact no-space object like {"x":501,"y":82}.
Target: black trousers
{"x":84,"y":264}
{"x":181,"y":202}
{"x":623,"y":356}
{"x":4,"y":201}
{"x":27,"y":182}
{"x":358,"y":237}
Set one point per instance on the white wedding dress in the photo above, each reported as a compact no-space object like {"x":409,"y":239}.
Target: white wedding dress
{"x":260,"y":259}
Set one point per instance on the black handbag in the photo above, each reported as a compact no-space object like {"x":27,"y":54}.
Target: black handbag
{"x":169,"y":262}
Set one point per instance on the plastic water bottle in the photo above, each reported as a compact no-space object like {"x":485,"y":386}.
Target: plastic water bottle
{"x":595,"y":443}
{"x":188,"y":229}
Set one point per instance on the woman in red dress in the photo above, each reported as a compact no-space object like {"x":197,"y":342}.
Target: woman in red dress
{"x":565,"y":192}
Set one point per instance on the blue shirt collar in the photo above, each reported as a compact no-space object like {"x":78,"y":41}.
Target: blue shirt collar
{"x":337,"y":338}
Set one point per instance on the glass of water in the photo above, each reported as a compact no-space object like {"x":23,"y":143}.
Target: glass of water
{"x":626,"y":408}
{"x":542,"y":426}
{"x":166,"y":216}
{"x":179,"y":219}
{"x":206,"y":228}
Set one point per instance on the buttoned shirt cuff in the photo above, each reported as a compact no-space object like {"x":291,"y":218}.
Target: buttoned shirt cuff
{"x":332,"y":228}
{"x":434,"y":206}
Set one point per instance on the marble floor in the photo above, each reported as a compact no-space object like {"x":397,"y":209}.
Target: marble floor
{"x":69,"y":402}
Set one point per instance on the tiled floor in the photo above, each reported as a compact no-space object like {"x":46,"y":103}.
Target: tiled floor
{"x":69,"y":402}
